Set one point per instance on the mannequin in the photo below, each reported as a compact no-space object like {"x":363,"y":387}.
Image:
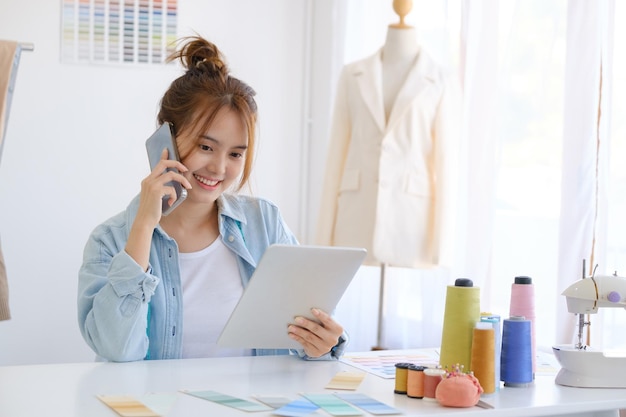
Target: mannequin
{"x":399,"y":54}
{"x":390,"y":176}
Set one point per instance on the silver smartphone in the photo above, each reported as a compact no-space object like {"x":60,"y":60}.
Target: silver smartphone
{"x":161,"y":139}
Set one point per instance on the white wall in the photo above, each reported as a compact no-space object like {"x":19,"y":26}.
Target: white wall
{"x":74,"y":152}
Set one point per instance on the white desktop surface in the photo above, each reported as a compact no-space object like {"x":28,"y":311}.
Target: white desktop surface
{"x":66,"y":390}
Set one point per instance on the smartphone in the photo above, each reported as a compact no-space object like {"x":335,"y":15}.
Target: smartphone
{"x":161,"y":139}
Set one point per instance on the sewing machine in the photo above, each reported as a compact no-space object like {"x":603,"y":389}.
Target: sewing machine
{"x":582,"y":366}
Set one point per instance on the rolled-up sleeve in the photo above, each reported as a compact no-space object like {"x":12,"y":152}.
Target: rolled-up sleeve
{"x":113,"y":297}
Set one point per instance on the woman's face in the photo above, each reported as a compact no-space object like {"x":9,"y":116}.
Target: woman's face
{"x":218,"y":158}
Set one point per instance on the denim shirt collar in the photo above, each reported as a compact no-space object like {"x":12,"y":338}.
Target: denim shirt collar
{"x":227,"y":206}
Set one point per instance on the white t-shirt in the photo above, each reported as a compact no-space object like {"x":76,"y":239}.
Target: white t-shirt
{"x":211,"y":289}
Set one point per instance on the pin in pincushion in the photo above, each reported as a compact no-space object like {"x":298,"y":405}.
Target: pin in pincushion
{"x":458,"y":389}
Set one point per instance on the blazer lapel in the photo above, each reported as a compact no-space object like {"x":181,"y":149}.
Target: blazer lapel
{"x":368,"y":77}
{"x":423,"y":74}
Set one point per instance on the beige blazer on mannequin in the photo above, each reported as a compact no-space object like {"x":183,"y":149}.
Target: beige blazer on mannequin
{"x":391,"y":187}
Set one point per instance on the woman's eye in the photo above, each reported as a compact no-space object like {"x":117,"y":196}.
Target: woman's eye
{"x":205,"y":147}
{"x":236,"y":155}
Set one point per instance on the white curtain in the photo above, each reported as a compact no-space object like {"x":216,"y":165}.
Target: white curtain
{"x":616,"y":224}
{"x":582,"y":231}
{"x":479,"y":73}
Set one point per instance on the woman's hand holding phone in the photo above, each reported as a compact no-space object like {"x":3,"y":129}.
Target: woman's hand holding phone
{"x":153,"y":188}
{"x":157,"y":187}
{"x":163,"y":138}
{"x":161,"y":192}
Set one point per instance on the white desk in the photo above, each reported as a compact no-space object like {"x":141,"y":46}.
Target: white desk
{"x":66,"y":390}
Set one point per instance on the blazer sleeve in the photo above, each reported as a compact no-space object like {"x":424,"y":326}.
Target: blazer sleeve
{"x":449,"y":169}
{"x":335,"y":160}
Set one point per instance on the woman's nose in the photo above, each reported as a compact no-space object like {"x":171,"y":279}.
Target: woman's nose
{"x":217,"y":164}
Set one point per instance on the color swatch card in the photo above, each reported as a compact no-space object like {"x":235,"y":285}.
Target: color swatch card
{"x":127,"y":406}
{"x":346,"y":380}
{"x":227,"y":400}
{"x":296,"y":408}
{"x":274,"y":401}
{"x":333,"y":405}
{"x":368,"y":404}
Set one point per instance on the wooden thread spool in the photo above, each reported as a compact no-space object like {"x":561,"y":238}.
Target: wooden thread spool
{"x":415,"y":381}
{"x":432,"y":378}
{"x":402,"y":371}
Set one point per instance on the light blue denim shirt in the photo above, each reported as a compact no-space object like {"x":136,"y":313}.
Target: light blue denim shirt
{"x":128,"y":314}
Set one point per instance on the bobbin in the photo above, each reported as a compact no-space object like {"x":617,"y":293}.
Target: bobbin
{"x":402,"y":369}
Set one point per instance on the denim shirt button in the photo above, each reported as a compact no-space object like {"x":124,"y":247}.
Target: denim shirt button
{"x":231,"y":238}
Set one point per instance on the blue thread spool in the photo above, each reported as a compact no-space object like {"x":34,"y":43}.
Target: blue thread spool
{"x":516,"y":365}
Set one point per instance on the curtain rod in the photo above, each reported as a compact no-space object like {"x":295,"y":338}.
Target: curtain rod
{"x":26,"y":46}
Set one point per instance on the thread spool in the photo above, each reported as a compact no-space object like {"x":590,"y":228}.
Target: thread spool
{"x":462,"y":311}
{"x":432,"y":378}
{"x":516,"y":361}
{"x":402,"y":370}
{"x":415,"y":381}
{"x":483,"y":363}
{"x":494,"y":319}
{"x":523,"y":305}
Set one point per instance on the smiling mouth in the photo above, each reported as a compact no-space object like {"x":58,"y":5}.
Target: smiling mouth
{"x":210,"y":183}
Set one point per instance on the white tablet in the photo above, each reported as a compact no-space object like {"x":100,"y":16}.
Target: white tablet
{"x":288,"y":282}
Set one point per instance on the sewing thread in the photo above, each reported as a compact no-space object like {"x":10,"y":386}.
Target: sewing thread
{"x":523,"y":305}
{"x":516,"y":361}
{"x":432,"y":378}
{"x":402,"y":370}
{"x":483,"y":364}
{"x":415,"y":381}
{"x":462,"y":311}
{"x":494,"y":319}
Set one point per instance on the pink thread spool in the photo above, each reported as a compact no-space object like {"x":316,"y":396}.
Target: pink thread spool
{"x":432,"y":378}
{"x":523,"y":305}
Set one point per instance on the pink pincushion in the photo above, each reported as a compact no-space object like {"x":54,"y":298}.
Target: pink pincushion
{"x":459,"y":390}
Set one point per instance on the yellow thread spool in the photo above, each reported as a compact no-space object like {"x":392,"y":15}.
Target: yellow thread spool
{"x":483,"y":364}
{"x":494,"y":319}
{"x":462,"y":310}
{"x":402,"y":374}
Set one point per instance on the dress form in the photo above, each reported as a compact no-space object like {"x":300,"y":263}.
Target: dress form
{"x":398,"y":56}
{"x":399,"y":53}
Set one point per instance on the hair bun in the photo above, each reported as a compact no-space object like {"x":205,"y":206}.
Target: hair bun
{"x":199,"y":54}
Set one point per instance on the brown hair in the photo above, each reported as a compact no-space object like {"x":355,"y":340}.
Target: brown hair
{"x":193,"y":100}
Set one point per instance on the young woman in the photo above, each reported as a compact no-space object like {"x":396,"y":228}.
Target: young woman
{"x":163,"y":287}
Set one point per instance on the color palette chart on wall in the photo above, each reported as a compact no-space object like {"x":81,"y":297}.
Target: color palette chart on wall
{"x":118,"y":31}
